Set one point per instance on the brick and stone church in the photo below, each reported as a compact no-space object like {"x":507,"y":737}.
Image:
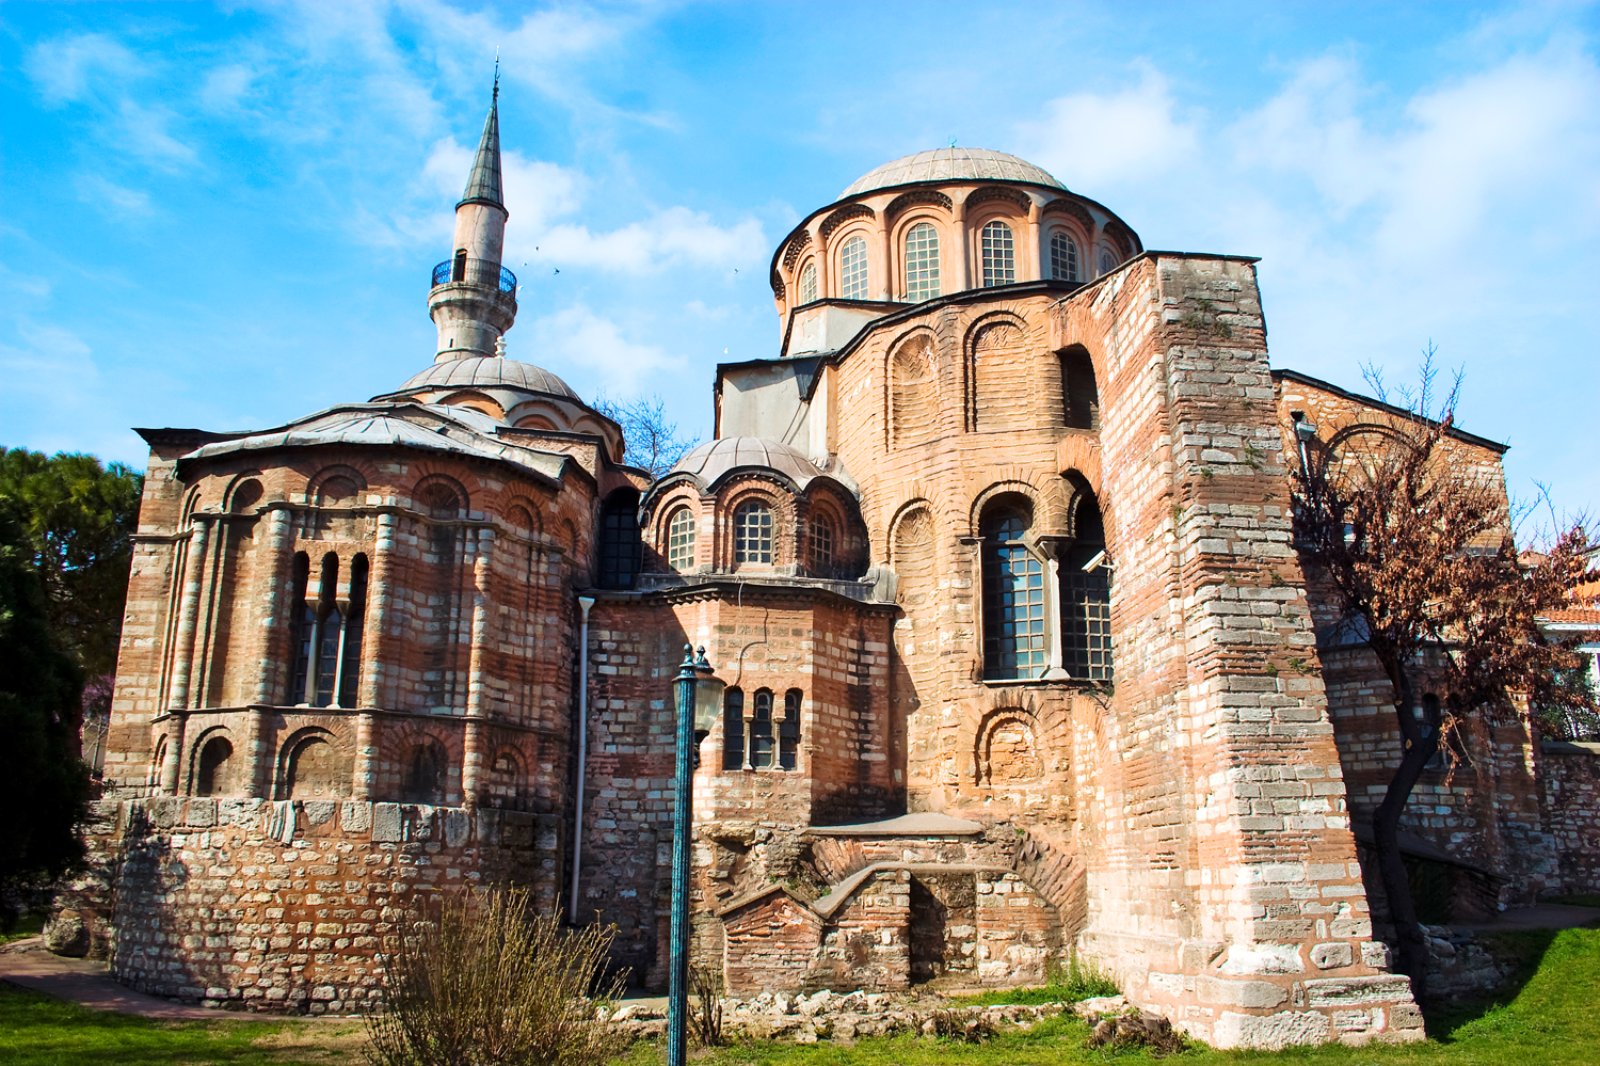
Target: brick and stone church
{"x":993,"y":554}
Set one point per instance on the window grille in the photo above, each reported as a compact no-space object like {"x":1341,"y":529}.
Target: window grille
{"x":761,"y":731}
{"x":733,"y":729}
{"x":680,"y":539}
{"x":619,"y":543}
{"x":999,"y":255}
{"x":1015,"y":640}
{"x":1107,"y":262}
{"x":853,"y":269}
{"x":821,"y":547}
{"x":1087,"y":640}
{"x":752,"y":533}
{"x":922,"y":262}
{"x":789,"y":731}
{"x":808,"y":280}
{"x":1063,"y":257}
{"x":354,"y":630}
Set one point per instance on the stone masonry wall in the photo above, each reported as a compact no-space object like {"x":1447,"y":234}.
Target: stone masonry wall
{"x":1227,"y":893}
{"x":277,"y":906}
{"x":1571,"y":800}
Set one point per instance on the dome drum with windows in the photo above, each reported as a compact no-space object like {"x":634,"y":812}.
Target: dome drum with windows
{"x":942,"y":222}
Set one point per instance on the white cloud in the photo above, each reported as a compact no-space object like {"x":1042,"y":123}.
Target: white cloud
{"x":75,"y":67}
{"x":674,"y":236}
{"x":113,"y":199}
{"x":1097,"y":140}
{"x":143,"y":132}
{"x":591,"y":353}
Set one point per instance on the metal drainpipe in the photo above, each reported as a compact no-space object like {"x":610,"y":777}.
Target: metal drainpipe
{"x":584,"y":603}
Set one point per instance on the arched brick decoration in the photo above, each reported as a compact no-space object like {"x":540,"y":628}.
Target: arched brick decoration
{"x":1003,"y":397}
{"x":506,"y":783}
{"x":914,"y":559}
{"x":244,"y":495}
{"x":991,"y":193}
{"x":913,"y":199}
{"x":214,"y":765}
{"x":1073,"y":210}
{"x":913,"y":392}
{"x":843,"y":215}
{"x":424,"y":773}
{"x":1008,"y":749}
{"x":314,"y":769}
{"x":796,"y":246}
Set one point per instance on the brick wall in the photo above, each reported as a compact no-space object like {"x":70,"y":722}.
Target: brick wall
{"x":1571,"y":801}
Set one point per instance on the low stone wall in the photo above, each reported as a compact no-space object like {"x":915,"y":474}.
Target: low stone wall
{"x":1572,"y":812}
{"x":284,"y":905}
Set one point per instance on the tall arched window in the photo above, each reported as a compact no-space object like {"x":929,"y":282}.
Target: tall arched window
{"x":999,"y":254}
{"x":789,"y":731}
{"x":752,"y":533}
{"x":680,"y":539}
{"x":1063,"y":256}
{"x":821,"y":544}
{"x":761,"y":730}
{"x":1108,"y":262}
{"x":317,"y":634}
{"x":1015,"y":644}
{"x":354,"y":630}
{"x":733,"y":729}
{"x":853,"y":269}
{"x":619,"y":540}
{"x":808,"y":282}
{"x":1086,"y":596}
{"x":922,"y":262}
{"x":1079,"y":394}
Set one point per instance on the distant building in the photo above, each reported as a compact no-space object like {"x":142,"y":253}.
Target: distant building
{"x":995,"y":556}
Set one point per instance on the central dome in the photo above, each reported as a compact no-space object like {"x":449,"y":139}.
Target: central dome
{"x":951,"y":164}
{"x":489,"y":372}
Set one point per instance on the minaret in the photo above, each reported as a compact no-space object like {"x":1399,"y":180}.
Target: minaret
{"x":474,"y":298}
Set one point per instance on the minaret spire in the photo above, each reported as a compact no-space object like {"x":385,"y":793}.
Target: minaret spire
{"x":474,"y":298}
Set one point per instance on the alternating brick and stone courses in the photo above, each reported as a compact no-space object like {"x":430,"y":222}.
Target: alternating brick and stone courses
{"x":995,"y":558}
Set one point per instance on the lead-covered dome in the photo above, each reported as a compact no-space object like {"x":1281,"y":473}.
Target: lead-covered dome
{"x":714,"y":460}
{"x":951,"y":164}
{"x":489,"y":372}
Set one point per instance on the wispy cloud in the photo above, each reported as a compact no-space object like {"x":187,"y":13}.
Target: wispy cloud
{"x":1096,"y":140}
{"x":591,"y":352}
{"x":118,"y":201}
{"x":75,"y":67}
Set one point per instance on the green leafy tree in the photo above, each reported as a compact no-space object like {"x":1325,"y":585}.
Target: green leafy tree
{"x":43,"y":784}
{"x":77,"y":519}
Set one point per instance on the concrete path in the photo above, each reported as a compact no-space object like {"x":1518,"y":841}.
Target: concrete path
{"x":84,"y":981}
{"x":1538,"y":916}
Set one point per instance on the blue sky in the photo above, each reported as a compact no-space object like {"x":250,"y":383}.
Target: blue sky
{"x":224,"y":215}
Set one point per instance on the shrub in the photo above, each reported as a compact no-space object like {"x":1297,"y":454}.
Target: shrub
{"x":705,"y":1006}
{"x":485,"y":980}
{"x":1080,"y":979}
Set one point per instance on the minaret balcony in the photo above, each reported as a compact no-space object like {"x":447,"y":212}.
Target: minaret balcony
{"x":485,"y":273}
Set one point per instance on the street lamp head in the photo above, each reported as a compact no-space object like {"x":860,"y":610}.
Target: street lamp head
{"x":707,"y":695}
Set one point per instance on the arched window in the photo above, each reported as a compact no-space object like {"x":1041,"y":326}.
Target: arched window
{"x":1079,"y":394}
{"x":303,"y":631}
{"x":1063,"y":256}
{"x":999,"y":255}
{"x":922,"y":262}
{"x":733,"y":729}
{"x":424,"y":773}
{"x":1108,"y":262}
{"x":808,"y":280}
{"x":752,"y":533}
{"x":211,"y":769}
{"x":619,"y":540}
{"x":680,"y":539}
{"x":821,"y":546}
{"x":1015,"y":643}
{"x":458,"y":270}
{"x":1086,"y":596}
{"x":354,"y":630}
{"x":789,"y":731}
{"x":761,"y":731}
{"x":853,"y":269}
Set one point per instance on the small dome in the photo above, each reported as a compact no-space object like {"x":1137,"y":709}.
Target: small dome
{"x":487,"y":372}
{"x":951,"y":164}
{"x":709,"y":462}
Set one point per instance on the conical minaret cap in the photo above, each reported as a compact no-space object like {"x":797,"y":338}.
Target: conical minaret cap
{"x":483,"y":184}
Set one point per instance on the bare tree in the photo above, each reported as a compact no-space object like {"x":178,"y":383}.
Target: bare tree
{"x":1416,"y":547}
{"x":654,"y":442}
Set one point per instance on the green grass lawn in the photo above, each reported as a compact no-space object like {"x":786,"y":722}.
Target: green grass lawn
{"x":1553,"y":1018}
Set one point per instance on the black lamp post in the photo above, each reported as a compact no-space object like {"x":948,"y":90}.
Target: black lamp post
{"x":698,"y":699}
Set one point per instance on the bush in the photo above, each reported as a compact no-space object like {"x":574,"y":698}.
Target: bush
{"x":705,"y":1006}
{"x":485,"y":980}
{"x":1080,"y":979}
